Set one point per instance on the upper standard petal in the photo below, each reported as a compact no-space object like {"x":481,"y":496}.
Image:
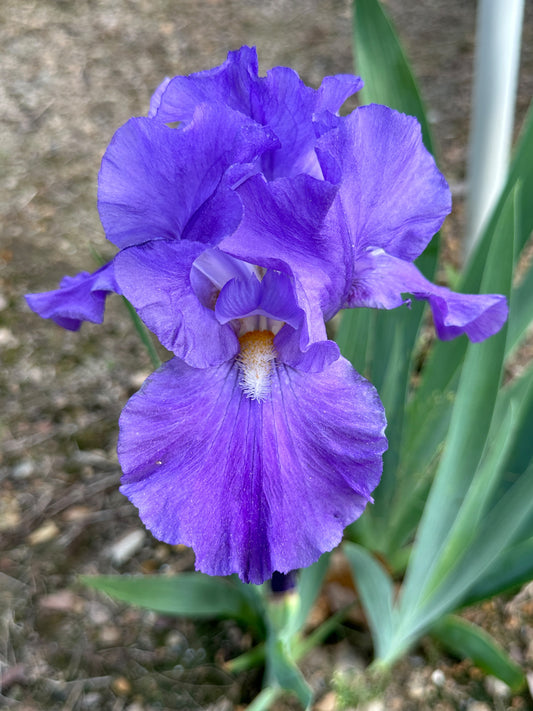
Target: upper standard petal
{"x":155,"y":182}
{"x":230,"y":83}
{"x":279,"y":100}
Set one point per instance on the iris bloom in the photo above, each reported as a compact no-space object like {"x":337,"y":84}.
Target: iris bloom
{"x":240,"y":233}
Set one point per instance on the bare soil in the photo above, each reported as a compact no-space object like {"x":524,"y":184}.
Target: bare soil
{"x":72,"y":73}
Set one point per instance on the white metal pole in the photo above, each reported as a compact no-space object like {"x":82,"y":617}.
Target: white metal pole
{"x":496,"y":64}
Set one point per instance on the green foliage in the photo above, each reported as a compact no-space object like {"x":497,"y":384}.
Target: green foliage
{"x":380,"y":344}
{"x":454,"y":512}
{"x":277,"y":620}
{"x":465,"y":639}
{"x":185,"y":595}
{"x":459,"y":478}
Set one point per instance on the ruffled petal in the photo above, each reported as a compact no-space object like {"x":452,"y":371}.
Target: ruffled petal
{"x":334,"y":90}
{"x":391,"y":193}
{"x":156,"y":278}
{"x":79,"y":298}
{"x":230,"y":83}
{"x":252,"y":486}
{"x":288,"y":106}
{"x":380,"y":280}
{"x":155,"y":101}
{"x":160,"y":183}
{"x":280,"y":100}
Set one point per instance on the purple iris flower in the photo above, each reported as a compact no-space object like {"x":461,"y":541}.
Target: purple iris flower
{"x":259,"y":461}
{"x":240,"y":233}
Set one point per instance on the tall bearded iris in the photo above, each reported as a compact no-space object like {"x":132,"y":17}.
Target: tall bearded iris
{"x":240,"y":233}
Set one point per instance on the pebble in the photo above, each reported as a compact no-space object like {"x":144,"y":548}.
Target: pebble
{"x":98,"y":613}
{"x":221,"y":705}
{"x":62,"y":601}
{"x":438,"y":678}
{"x":418,"y":687}
{"x":497,"y":687}
{"x":373,"y":705}
{"x":126,"y":547}
{"x":478,"y":706}
{"x":176,"y":641}
{"x":327,"y":703}
{"x":137,"y":379}
{"x":121,"y":686}
{"x":108,"y":634}
{"x":47,"y":532}
{"x":8,"y":339}
{"x":91,"y":700}
{"x":23,"y":469}
{"x":76,"y":513}
{"x":9,"y":512}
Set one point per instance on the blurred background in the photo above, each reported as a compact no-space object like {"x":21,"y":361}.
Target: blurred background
{"x":72,"y":73}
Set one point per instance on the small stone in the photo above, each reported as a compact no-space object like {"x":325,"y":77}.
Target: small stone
{"x":91,"y":700}
{"x":347,"y":661}
{"x":418,"y":687}
{"x":176,"y":641}
{"x":478,"y":706}
{"x":76,"y":513}
{"x":47,"y":532}
{"x":135,"y":706}
{"x":9,"y":512}
{"x":23,"y":469}
{"x":497,"y":687}
{"x":108,"y":634}
{"x":161,"y":553}
{"x":62,"y":601}
{"x":373,"y":705}
{"x":327,"y":703}
{"x":137,"y":379}
{"x":121,"y":686}
{"x":125,"y":548}
{"x":98,"y":613}
{"x":438,"y":678}
{"x":220,"y":705}
{"x":8,"y":339}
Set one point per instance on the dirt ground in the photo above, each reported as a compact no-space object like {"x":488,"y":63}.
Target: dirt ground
{"x":72,"y":73}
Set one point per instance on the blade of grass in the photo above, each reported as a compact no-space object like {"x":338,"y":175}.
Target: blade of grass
{"x":471,"y":417}
{"x":464,"y":639}
{"x":143,"y":333}
{"x":383,"y":65}
{"x":446,"y":357}
{"x":376,"y":592}
{"x":513,"y":567}
{"x":495,"y":535}
{"x":380,"y":344}
{"x":184,"y":595}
